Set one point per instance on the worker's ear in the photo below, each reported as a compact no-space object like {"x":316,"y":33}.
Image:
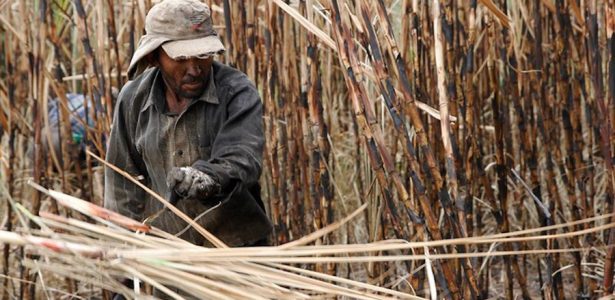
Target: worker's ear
{"x":152,"y":58}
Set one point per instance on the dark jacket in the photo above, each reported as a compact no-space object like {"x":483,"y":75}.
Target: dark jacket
{"x":220,"y":134}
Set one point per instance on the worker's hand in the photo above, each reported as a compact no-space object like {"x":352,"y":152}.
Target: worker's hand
{"x":189,"y":182}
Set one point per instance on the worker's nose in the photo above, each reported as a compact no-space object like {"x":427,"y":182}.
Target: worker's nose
{"x":193,"y":68}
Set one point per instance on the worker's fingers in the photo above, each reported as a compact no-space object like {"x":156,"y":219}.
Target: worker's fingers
{"x":175,"y":176}
{"x":202,"y":186}
{"x":198,"y":189}
{"x":184,"y":186}
{"x":207,"y":186}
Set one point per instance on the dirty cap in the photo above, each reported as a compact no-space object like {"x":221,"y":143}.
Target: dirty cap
{"x":182,"y":27}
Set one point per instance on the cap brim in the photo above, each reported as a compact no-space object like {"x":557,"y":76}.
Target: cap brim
{"x":147,"y":44}
{"x":204,"y":46}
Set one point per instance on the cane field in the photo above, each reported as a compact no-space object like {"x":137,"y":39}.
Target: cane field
{"x":452,"y":149}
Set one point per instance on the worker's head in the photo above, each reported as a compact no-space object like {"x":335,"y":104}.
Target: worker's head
{"x":180,"y":30}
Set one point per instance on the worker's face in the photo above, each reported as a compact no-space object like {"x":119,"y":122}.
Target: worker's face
{"x":187,"y":78}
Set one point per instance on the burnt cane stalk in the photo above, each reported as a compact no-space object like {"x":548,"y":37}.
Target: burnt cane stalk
{"x":431,"y":171}
{"x":321,"y":149}
{"x":387,"y":90}
{"x":606,"y":115}
{"x":569,"y":111}
{"x":11,"y":129}
{"x":271,"y":107}
{"x":112,"y":32}
{"x":381,"y":162}
{"x":95,"y":87}
{"x":379,"y":155}
{"x":446,"y":138}
{"x":537,"y":101}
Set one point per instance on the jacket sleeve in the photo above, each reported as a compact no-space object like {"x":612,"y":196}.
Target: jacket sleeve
{"x":122,"y":195}
{"x":236,"y":154}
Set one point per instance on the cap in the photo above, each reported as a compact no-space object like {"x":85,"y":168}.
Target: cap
{"x":182,"y":27}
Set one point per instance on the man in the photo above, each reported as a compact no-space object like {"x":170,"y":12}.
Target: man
{"x":191,"y":126}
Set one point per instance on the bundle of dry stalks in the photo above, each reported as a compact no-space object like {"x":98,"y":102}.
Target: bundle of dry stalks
{"x":114,"y":247}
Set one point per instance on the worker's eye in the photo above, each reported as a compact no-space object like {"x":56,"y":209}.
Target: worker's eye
{"x":203,"y":56}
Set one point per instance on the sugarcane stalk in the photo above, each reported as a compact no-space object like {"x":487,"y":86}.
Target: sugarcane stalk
{"x":104,"y":111}
{"x":605,"y":118}
{"x":11,"y":129}
{"x":446,"y":138}
{"x":278,"y":202}
{"x":379,"y":156}
{"x":113,"y":37}
{"x":321,"y":149}
{"x":562,"y":32}
{"x":411,"y":109}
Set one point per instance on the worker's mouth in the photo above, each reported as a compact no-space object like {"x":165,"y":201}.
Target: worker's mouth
{"x":195,"y":85}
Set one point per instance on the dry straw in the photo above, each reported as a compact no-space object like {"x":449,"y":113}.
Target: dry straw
{"x":104,"y":252}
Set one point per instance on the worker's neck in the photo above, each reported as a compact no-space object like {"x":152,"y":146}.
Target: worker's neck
{"x":175,"y":103}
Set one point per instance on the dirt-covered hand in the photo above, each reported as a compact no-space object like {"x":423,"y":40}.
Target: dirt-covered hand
{"x":189,"y":182}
